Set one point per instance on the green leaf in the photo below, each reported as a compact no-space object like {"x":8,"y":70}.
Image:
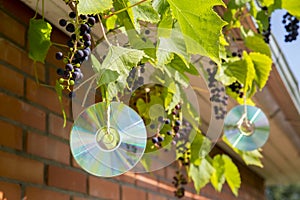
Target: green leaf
{"x":111,"y":22}
{"x":119,"y":60}
{"x":59,"y":88}
{"x":86,"y":7}
{"x":200,"y":25}
{"x":144,"y":12}
{"x":199,"y":148}
{"x":201,"y":174}
{"x":237,"y":3}
{"x":257,"y":44}
{"x":39,"y":33}
{"x":232,"y":174}
{"x":249,"y":157}
{"x":263,"y":66}
{"x":105,"y":76}
{"x":292,"y":6}
{"x":267,"y":2}
{"x":160,"y":6}
{"x":243,"y":70}
{"x":218,"y":177}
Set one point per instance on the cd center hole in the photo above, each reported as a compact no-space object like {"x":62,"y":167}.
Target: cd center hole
{"x":246,"y":127}
{"x":107,"y":141}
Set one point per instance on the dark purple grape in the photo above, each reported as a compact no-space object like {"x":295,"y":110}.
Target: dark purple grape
{"x":77,"y":69}
{"x":59,"y":55}
{"x":169,"y":132}
{"x":70,"y":44}
{"x":160,"y":139}
{"x":86,"y":37}
{"x":73,"y":36}
{"x":83,"y":17}
{"x":152,"y":126}
{"x":87,"y":51}
{"x":60,"y":71}
{"x":154,"y":140}
{"x":87,"y":43}
{"x":177,"y":123}
{"x":178,"y":107}
{"x":69,"y":67}
{"x":91,"y":21}
{"x":76,"y":75}
{"x":62,"y":22}
{"x":84,"y":28}
{"x":142,"y":69}
{"x":72,"y":14}
{"x":71,"y":94}
{"x":176,"y":129}
{"x":140,"y":80}
{"x":167,"y":121}
{"x":70,"y":28}
{"x":160,"y":119}
{"x":80,"y":54}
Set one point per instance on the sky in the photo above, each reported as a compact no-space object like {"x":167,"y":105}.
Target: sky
{"x":291,"y":50}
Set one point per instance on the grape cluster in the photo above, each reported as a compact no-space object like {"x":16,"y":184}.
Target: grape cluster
{"x":291,"y":25}
{"x":217,"y":93}
{"x":237,"y":87}
{"x":175,"y":126}
{"x":179,"y":181}
{"x":79,"y":48}
{"x":135,"y":80}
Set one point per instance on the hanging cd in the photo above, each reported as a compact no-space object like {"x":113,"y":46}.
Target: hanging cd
{"x":246,"y":130}
{"x":108,"y":139}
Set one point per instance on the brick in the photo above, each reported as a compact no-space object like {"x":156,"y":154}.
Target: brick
{"x":127,"y":177}
{"x":45,"y":96}
{"x":11,"y":80}
{"x":56,"y":126}
{"x":10,"y":190}
{"x":42,"y":194}
{"x":147,"y":181}
{"x":10,"y":53}
{"x":12,"y":29}
{"x":24,"y":169}
{"x":20,"y":111}
{"x":66,"y":179}
{"x":21,"y":11}
{"x":155,"y":196}
{"x":51,"y":56}
{"x":48,"y":148}
{"x":28,"y":66}
{"x":102,"y":188}
{"x":79,"y":198}
{"x":11,"y":136}
{"x":129,"y":193}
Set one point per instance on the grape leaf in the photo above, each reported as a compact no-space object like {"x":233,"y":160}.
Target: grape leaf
{"x":105,"y":76}
{"x":257,"y":44}
{"x":120,"y":60}
{"x":160,"y":6}
{"x":39,"y":33}
{"x":232,"y":174}
{"x":111,"y":22}
{"x":243,"y":70}
{"x":59,"y":88}
{"x":249,"y":157}
{"x":263,"y":66}
{"x":292,"y":6}
{"x":144,"y":12}
{"x":218,"y":177}
{"x":86,"y":7}
{"x":267,"y":2}
{"x":200,"y":25}
{"x":201,"y":174}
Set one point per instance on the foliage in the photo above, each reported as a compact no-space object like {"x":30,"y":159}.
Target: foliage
{"x":283,"y":192}
{"x":185,"y":29}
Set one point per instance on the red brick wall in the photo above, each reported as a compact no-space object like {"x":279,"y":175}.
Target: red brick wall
{"x":35,"y":158}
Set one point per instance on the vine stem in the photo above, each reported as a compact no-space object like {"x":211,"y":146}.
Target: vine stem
{"x":59,"y":45}
{"x":124,"y":9}
{"x":103,"y":31}
{"x":84,"y":82}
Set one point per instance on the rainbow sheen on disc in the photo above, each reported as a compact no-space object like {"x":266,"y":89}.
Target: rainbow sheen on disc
{"x":104,"y":149}
{"x":246,"y":135}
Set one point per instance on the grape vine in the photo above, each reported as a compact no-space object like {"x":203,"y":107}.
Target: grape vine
{"x":180,"y":35}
